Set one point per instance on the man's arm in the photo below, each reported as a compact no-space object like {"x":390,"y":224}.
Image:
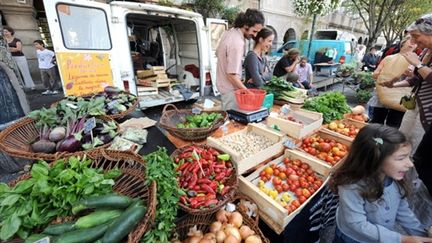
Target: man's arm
{"x":234,"y":79}
{"x":292,"y":67}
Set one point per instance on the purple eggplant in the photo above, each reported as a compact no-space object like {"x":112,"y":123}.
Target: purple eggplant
{"x":70,"y":144}
{"x":105,"y":138}
{"x":110,"y":90}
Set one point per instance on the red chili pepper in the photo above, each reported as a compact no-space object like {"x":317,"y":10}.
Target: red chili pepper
{"x":225,"y":190}
{"x":228,"y":172}
{"x":193,"y":181}
{"x":184,"y":184}
{"x":195,"y":169}
{"x":219,"y":166}
{"x":204,"y":181}
{"x":213,"y":151}
{"x":208,"y":189}
{"x":200,"y":198}
{"x":220,"y":176}
{"x":183,"y":200}
{"x":213,"y":202}
{"x":213,"y":185}
{"x":185,"y":155}
{"x":197,"y":187}
{"x":210,"y":196}
{"x":184,"y":166}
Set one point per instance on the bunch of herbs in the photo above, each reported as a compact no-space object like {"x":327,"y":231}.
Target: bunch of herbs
{"x":332,"y":105}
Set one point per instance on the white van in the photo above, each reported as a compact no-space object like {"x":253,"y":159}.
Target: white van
{"x":100,"y":44}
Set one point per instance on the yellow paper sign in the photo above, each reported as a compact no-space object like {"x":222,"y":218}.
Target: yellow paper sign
{"x":84,"y":73}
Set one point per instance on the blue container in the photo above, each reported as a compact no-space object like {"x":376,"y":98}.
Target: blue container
{"x":268,"y":101}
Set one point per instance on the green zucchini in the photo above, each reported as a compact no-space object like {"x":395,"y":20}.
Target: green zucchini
{"x":124,"y":224}
{"x":105,"y":201}
{"x":58,"y":229}
{"x":83,"y":235}
{"x":35,"y":237}
{"x":97,"y":218}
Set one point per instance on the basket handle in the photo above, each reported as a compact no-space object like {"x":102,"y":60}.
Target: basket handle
{"x":167,"y":106}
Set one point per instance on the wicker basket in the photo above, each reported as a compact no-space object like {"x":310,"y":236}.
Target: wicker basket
{"x":131,"y":183}
{"x":16,"y":139}
{"x":203,"y":221}
{"x":113,"y":116}
{"x":232,"y":182}
{"x":170,"y":119}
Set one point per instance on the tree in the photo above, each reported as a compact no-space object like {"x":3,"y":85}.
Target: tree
{"x":230,"y":14}
{"x":407,"y":13}
{"x":208,"y":8}
{"x":314,"y":8}
{"x":375,"y":15}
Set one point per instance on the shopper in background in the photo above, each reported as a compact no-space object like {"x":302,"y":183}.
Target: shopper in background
{"x":372,"y":189}
{"x":305,"y":73}
{"x":230,"y":53}
{"x":370,"y":60}
{"x":257,"y":71}
{"x":15,"y":48}
{"x":47,"y":68}
{"x":285,"y":67}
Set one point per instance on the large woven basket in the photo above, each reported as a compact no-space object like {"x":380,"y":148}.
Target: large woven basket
{"x":170,"y":119}
{"x":202,"y":222}
{"x":118,"y":116}
{"x":17,"y":138}
{"x":232,"y":182}
{"x":132,"y":183}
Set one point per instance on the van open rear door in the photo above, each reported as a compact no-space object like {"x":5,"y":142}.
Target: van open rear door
{"x":80,"y":32}
{"x":216,"y":28}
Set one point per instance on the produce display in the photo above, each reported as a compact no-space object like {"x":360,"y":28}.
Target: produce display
{"x":228,"y":227}
{"x":160,"y":168}
{"x":283,"y":90}
{"x":289,"y":118}
{"x":332,"y":105}
{"x":200,"y":121}
{"x":290,"y":183}
{"x":343,"y":128}
{"x":68,"y":128}
{"x":324,"y":149}
{"x":111,"y":101}
{"x":246,"y":144}
{"x":50,"y":193}
{"x":113,"y":218}
{"x":204,"y":174}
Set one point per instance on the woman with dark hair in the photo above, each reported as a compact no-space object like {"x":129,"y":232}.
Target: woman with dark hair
{"x":230,"y":53}
{"x":255,"y":63}
{"x":15,"y":48}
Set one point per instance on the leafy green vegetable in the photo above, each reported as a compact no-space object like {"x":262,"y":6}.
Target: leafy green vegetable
{"x":49,"y":193}
{"x":160,"y":168}
{"x":331,"y":104}
{"x":199,"y":121}
{"x":282,"y":89}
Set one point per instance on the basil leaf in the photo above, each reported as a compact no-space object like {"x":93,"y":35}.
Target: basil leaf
{"x":10,"y":227}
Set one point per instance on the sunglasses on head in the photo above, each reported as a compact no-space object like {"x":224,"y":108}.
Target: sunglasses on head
{"x":421,"y":21}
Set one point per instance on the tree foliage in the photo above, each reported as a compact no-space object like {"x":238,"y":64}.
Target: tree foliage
{"x":314,"y":7}
{"x":208,"y":8}
{"x":230,"y":14}
{"x":407,"y":13}
{"x":375,"y":14}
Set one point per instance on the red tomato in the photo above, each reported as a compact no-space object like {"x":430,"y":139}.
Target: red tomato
{"x":312,"y":151}
{"x":276,"y":181}
{"x":298,"y":192}
{"x":310,"y":179}
{"x":285,"y":187}
{"x":305,"y":166}
{"x":318,"y":182}
{"x":330,"y":159}
{"x":311,"y":189}
{"x":264,"y":178}
{"x":286,"y":161}
{"x":276,"y":172}
{"x":279,"y":188}
{"x":304,"y":184}
{"x":296,"y":184}
{"x":282,"y":175}
{"x":289,"y":171}
{"x":297,"y":162}
{"x":262,"y":173}
{"x":292,"y":187}
{"x":306,"y":193}
{"x":296,"y":203}
{"x":309,"y":171}
{"x":292,"y":208}
{"x":302,"y":199}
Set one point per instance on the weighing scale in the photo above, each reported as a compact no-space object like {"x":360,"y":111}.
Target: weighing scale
{"x":246,"y":117}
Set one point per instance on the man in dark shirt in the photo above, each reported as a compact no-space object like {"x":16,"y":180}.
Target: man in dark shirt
{"x":287,"y":64}
{"x":370,"y":60}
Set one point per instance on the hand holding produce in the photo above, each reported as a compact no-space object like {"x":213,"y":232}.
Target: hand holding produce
{"x":203,"y":175}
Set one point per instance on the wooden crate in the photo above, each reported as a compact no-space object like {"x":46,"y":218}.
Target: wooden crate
{"x":149,"y":73}
{"x":326,"y":135}
{"x":144,"y":91}
{"x":244,"y":164}
{"x":357,"y":124}
{"x":276,"y":216}
{"x":154,"y":82}
{"x":311,"y":121}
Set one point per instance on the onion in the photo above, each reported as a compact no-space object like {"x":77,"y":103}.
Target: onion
{"x":222,"y":216}
{"x":231,"y":230}
{"x":220,"y":236}
{"x":231,"y":239}
{"x":194,"y":239}
{"x":195,"y":232}
{"x":245,"y":231}
{"x":236,"y":219}
{"x":203,"y":240}
{"x":210,"y":236}
{"x":215,"y":226}
{"x":253,"y":239}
